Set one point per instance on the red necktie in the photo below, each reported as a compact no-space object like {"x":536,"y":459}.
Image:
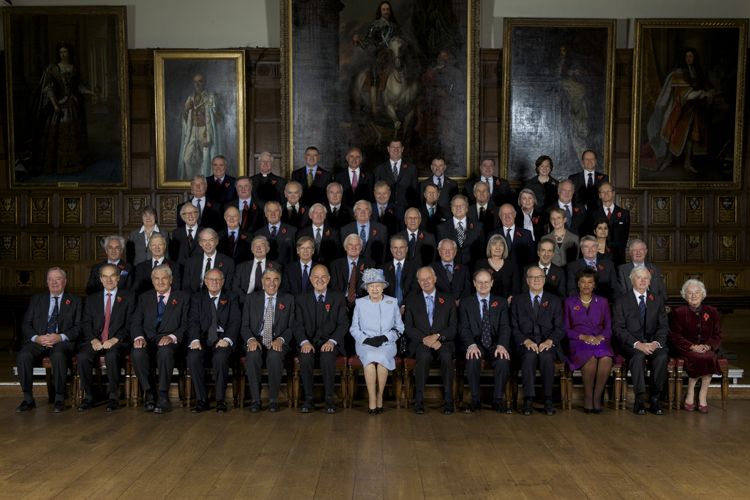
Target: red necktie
{"x":107,"y":317}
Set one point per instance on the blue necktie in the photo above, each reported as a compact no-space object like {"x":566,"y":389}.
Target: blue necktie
{"x":642,"y":308}
{"x":430,"y":307}
{"x":399,"y":291}
{"x":305,"y":279}
{"x":363,"y":236}
{"x":160,"y":307}
{"x":52,"y":321}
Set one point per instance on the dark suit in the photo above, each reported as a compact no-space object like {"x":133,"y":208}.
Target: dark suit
{"x":318,"y":323}
{"x":546,"y":324}
{"x":470,"y":322}
{"x":340,"y":275}
{"x":417,"y":326}
{"x":501,"y":191}
{"x":92,"y":323}
{"x":365,"y":185}
{"x":521,"y":248}
{"x":191,"y":278}
{"x":173,"y":322}
{"x":342,"y":217}
{"x":606,"y":285}
{"x":35,"y":323}
{"x":268,"y":188}
{"x":223,"y":192}
{"x":489,"y":220}
{"x":142,"y":281}
{"x":238,"y":250}
{"x":181,"y":248}
{"x":252,"y":327}
{"x":282,"y":245}
{"x":376,"y":246}
{"x":392,"y":219}
{"x":458,"y":286}
{"x":330,"y":243}
{"x":292,"y":282}
{"x":298,"y":220}
{"x":474,"y":247}
{"x":587,"y":196}
{"x":405,"y":191}
{"x":408,"y":278}
{"x":554,"y":283}
{"x":241,"y":279}
{"x":228,"y":320}
{"x":316,"y":193}
{"x":125,"y":269}
{"x":657,"y":282}
{"x":210,"y":215}
{"x":252,"y":220}
{"x":619,"y":230}
{"x":424,"y":248}
{"x":447,"y":192}
{"x":628,"y":328}
{"x":430,"y":224}
{"x":539,"y":222}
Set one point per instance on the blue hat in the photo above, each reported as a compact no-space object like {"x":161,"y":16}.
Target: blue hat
{"x":373,"y":276}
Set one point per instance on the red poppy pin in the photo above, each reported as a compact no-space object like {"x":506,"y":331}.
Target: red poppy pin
{"x":221,"y":264}
{"x":209,"y":204}
{"x":576,"y":210}
{"x":226,"y":184}
{"x":281,"y":307}
{"x":243,"y":236}
{"x":651,"y":297}
{"x":283,"y":230}
{"x":120,"y":266}
{"x":223,"y":302}
{"x":328,"y":307}
{"x":553,"y":277}
{"x":535,"y":220}
{"x":518,"y":234}
{"x":361,"y":268}
{"x":301,"y":210}
{"x":174,"y":302}
{"x":577,"y":308}
{"x":67,"y":302}
{"x":471,"y":225}
{"x":404,"y":166}
{"x":545,"y":304}
{"x":269,"y":265}
{"x":374,"y":232}
{"x":600,"y":267}
{"x":328,"y":232}
{"x":441,"y":300}
{"x":618,"y":215}
{"x":497,"y":182}
{"x":273,"y":182}
{"x":705,"y":316}
{"x":599,"y":177}
{"x":421,"y":236}
{"x":254,"y":207}
{"x":390,"y":211}
{"x":119,"y":299}
{"x":494,"y":303}
{"x":318,"y":173}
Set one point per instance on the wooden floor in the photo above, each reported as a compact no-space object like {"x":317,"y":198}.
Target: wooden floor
{"x":130,"y":454}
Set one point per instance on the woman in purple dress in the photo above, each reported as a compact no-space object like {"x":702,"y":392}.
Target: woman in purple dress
{"x":588,"y":325}
{"x":695,"y":333}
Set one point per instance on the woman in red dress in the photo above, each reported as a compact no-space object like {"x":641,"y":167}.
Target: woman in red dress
{"x":695,"y":333}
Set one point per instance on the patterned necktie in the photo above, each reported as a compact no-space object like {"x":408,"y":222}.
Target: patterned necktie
{"x":273,"y":232}
{"x":245,"y":215}
{"x":486,"y":325}
{"x":430,"y":307}
{"x":213,"y":328}
{"x":355,"y":182}
{"x":363,"y":236}
{"x":395,"y":170}
{"x":258,"y":277}
{"x":399,"y":291}
{"x":440,"y":183}
{"x":156,"y":263}
{"x":568,"y":216}
{"x":309,"y":177}
{"x":200,"y":208}
{"x":318,"y":239}
{"x":305,"y":278}
{"x":107,"y":317}
{"x":642,"y":308}
{"x":412,"y":245}
{"x":160,"y":307}
{"x":536,"y":305}
{"x":52,"y":321}
{"x":351,"y":289}
{"x":267,"y":335}
{"x":460,"y":234}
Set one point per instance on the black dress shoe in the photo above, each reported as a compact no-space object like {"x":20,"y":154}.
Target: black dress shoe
{"x":163,"y":406}
{"x":656,"y":407}
{"x":306,"y":408}
{"x":502,"y":408}
{"x":59,"y":407}
{"x":86,"y":405}
{"x":475,"y":406}
{"x":596,"y":411}
{"x":149,"y":405}
{"x":419,"y":408}
{"x":112,"y":405}
{"x":273,"y":407}
{"x":330,"y":409}
{"x":200,"y":406}
{"x":221,"y":407}
{"x":528,"y":407}
{"x":638,"y":408}
{"x":549,"y":408}
{"x":379,"y":409}
{"x":372,"y":411}
{"x":448,"y":409}
{"x":254,"y":408}
{"x":26,"y":406}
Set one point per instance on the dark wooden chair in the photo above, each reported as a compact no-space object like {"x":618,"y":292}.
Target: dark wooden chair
{"x":341,"y":367}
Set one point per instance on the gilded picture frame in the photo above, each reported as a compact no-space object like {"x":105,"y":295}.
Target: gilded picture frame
{"x":199,"y":98}
{"x":67,"y":95}
{"x":418,"y":84}
{"x":688,"y":103}
{"x":558,"y":85}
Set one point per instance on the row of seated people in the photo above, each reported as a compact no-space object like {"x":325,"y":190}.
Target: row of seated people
{"x":212,"y":325}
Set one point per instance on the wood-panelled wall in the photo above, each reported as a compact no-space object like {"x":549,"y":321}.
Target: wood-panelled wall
{"x":688,"y":233}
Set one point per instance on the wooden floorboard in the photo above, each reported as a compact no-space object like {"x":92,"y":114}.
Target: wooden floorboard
{"x":351,"y":455}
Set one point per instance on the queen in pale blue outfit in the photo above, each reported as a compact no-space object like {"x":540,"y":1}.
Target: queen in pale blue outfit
{"x":376,"y":326}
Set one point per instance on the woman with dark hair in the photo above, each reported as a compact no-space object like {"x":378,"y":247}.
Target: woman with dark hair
{"x":695,"y":333}
{"x":543,"y":184}
{"x":601,"y":232}
{"x":60,"y":137}
{"x":588,"y":325}
{"x":137,"y":249}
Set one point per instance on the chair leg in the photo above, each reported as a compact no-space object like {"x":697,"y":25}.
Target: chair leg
{"x":671,"y":382}
{"x":398,"y":378}
{"x":724,"y":387}
{"x":289,"y":389}
{"x":678,"y":387}
{"x":295,"y":387}
{"x":408,"y":386}
{"x":352,"y":383}
{"x":188,"y":391}
{"x":344,"y":375}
